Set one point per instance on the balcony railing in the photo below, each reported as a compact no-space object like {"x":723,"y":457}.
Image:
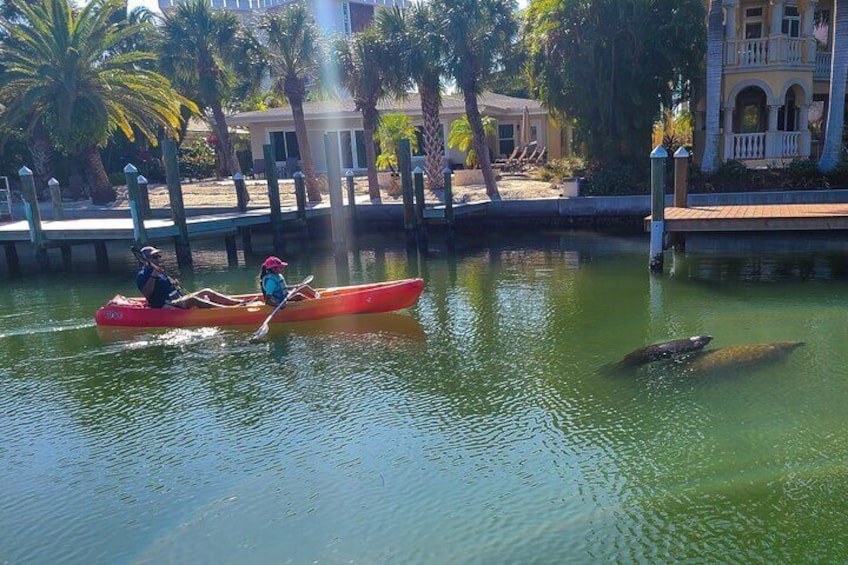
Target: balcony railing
{"x":822,"y":69}
{"x":789,"y":143}
{"x":748,"y":146}
{"x":764,"y":51}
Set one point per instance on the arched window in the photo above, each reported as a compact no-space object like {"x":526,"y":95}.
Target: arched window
{"x":750,"y":116}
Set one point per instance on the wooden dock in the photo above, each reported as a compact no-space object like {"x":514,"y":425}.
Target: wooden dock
{"x":750,"y":218}
{"x":108,"y":229}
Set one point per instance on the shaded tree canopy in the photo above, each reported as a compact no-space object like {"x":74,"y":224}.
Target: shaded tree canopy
{"x":613,"y":65}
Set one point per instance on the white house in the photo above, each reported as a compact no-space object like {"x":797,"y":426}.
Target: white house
{"x":332,"y":16}
{"x":339,"y":116}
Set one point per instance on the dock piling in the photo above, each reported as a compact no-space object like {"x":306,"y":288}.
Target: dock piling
{"x":658,"y":157}
{"x":334,"y":185}
{"x":143,"y":197}
{"x":404,"y":160}
{"x":232,"y":250}
{"x":56,"y":199}
{"x":13,"y":263}
{"x":418,"y":186}
{"x":33,"y":216}
{"x":300,"y":198}
{"x":274,"y":199}
{"x":241,"y":192}
{"x":681,"y":191}
{"x":448,"y":173}
{"x":175,"y":196}
{"x":139,"y":231}
{"x":351,"y":196}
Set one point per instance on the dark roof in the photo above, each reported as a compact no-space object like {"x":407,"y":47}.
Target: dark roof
{"x":488,"y":101}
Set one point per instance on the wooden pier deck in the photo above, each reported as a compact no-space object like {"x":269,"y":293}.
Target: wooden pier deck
{"x":765,"y":217}
{"x":106,"y":229}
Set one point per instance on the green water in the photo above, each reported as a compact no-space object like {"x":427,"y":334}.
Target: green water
{"x":474,"y":428}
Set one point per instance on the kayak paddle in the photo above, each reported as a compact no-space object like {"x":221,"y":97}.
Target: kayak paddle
{"x":263,"y":329}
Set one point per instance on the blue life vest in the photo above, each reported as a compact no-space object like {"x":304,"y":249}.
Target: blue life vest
{"x":273,"y":288}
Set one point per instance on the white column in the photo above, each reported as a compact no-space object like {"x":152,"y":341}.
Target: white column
{"x":730,"y":20}
{"x":805,"y":136}
{"x":775,"y":39}
{"x":772,"y":148}
{"x":728,"y":133}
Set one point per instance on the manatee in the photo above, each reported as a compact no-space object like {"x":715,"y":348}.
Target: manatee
{"x":665,"y":350}
{"x":739,"y":356}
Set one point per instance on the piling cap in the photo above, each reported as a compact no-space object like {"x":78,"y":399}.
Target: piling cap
{"x":25,"y":172}
{"x":130,"y":169}
{"x":142,"y":179}
{"x":349,"y":173}
{"x":297,"y":175}
{"x":52,"y":182}
{"x":237,"y":176}
{"x":418,"y":171}
{"x":659,"y":152}
{"x":681,"y":153}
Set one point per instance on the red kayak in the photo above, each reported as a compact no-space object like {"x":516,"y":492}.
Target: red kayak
{"x":338,"y":301}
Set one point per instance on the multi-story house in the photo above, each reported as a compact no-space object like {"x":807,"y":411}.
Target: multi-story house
{"x":775,"y":81}
{"x":333,"y":16}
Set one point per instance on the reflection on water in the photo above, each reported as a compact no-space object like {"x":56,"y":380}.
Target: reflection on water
{"x":474,"y":427}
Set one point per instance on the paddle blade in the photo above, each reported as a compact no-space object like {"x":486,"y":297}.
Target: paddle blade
{"x":261,"y":332}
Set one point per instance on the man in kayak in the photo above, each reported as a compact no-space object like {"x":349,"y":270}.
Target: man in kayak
{"x":273,"y":284}
{"x":162,"y":291}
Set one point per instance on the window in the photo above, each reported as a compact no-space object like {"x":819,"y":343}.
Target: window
{"x":359,"y":136}
{"x":753,"y":23}
{"x":787,"y":115}
{"x":285,"y":145}
{"x":346,"y":149}
{"x":791,"y":25}
{"x":506,"y":139}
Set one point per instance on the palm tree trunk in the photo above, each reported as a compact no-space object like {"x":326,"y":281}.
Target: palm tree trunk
{"x":231,"y":164}
{"x":369,"y":125}
{"x":433,"y":145}
{"x":99,"y":187}
{"x":832,"y":150}
{"x":480,"y":145}
{"x":42,"y":152}
{"x":715,"y":45}
{"x":312,"y":192}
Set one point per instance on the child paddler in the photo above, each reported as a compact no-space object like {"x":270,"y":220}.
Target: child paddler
{"x":272,"y":283}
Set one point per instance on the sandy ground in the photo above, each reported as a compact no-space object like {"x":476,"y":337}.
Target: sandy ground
{"x":212,"y":193}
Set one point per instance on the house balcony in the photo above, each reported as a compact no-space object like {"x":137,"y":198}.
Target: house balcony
{"x":822,"y":68}
{"x":768,"y":147}
{"x":779,"y":50}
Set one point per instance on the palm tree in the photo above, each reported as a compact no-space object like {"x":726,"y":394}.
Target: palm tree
{"x":832,"y":150}
{"x":478,"y":36}
{"x":293,"y":54}
{"x":200,"y":49}
{"x":715,"y":45}
{"x":68,"y":78}
{"x":364,"y":62}
{"x":417,"y":40}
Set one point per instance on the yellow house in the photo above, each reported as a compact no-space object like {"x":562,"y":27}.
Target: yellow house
{"x":774,"y":82}
{"x":339,"y":116}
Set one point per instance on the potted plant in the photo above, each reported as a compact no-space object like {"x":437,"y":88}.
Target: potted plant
{"x":461,"y":137}
{"x":392,"y":128}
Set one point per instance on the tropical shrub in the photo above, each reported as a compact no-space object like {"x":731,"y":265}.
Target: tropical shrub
{"x":197,"y":159}
{"x":393,"y":128}
{"x":461,"y":137}
{"x":617,"y":179}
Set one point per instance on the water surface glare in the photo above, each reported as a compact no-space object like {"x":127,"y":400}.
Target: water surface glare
{"x":482,"y":425}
